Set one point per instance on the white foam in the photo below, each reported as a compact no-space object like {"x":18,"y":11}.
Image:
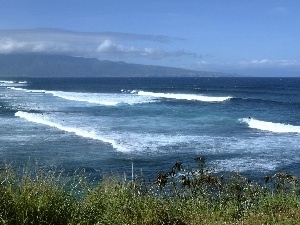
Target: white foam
{"x":6,"y":82}
{"x":41,"y":119}
{"x":190,"y":97}
{"x":152,"y":143}
{"x":107,"y":99}
{"x":16,"y":89}
{"x":12,"y":82}
{"x":245,"y":164}
{"x":272,"y":127}
{"x":9,"y":83}
{"x":26,"y":90}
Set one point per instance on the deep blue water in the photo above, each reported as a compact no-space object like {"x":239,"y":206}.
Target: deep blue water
{"x":104,"y":124}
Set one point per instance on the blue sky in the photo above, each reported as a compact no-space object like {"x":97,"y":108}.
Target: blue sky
{"x":257,"y":37}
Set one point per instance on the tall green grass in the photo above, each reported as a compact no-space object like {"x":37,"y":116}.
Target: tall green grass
{"x":38,"y":196}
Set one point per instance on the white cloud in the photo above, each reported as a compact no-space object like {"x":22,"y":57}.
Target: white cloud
{"x":11,"y":45}
{"x":255,"y":67}
{"x":105,"y":44}
{"x":270,"y":63}
{"x":108,"y":47}
{"x":8,"y":45}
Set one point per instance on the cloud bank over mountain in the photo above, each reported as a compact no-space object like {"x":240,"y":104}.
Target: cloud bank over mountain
{"x":134,"y":48}
{"x":101,"y":44}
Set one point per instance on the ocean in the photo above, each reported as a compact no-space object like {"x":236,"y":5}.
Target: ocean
{"x":107,"y":125}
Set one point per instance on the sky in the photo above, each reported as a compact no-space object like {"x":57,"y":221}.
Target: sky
{"x":255,"y":38}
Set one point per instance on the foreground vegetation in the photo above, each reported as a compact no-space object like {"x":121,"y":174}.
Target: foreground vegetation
{"x":177,"y":197}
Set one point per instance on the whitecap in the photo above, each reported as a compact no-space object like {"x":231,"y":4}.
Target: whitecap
{"x":245,"y":164}
{"x":9,"y":83}
{"x":26,"y":90}
{"x":270,"y":126}
{"x":189,"y":97}
{"x":45,"y":120}
{"x":108,"y":99}
{"x":6,"y":82}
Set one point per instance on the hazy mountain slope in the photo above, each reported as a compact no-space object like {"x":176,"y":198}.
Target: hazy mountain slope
{"x":33,"y":65}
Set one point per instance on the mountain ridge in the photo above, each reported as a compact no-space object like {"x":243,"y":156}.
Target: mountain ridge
{"x":37,"y":65}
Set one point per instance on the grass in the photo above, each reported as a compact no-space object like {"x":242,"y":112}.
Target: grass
{"x":179,"y":197}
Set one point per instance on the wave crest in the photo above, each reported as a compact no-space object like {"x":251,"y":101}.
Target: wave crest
{"x":10,"y":83}
{"x":106,"y":99}
{"x":41,"y":119}
{"x":270,"y":126}
{"x":189,"y":97}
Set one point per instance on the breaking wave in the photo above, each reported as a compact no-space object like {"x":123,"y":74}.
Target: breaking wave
{"x":9,"y":83}
{"x":41,"y":119}
{"x":107,"y":99}
{"x":271,"y":127}
{"x":26,"y":90}
{"x":125,"y":97}
{"x":189,"y":97}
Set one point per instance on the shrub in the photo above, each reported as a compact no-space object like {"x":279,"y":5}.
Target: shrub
{"x":196,"y":196}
